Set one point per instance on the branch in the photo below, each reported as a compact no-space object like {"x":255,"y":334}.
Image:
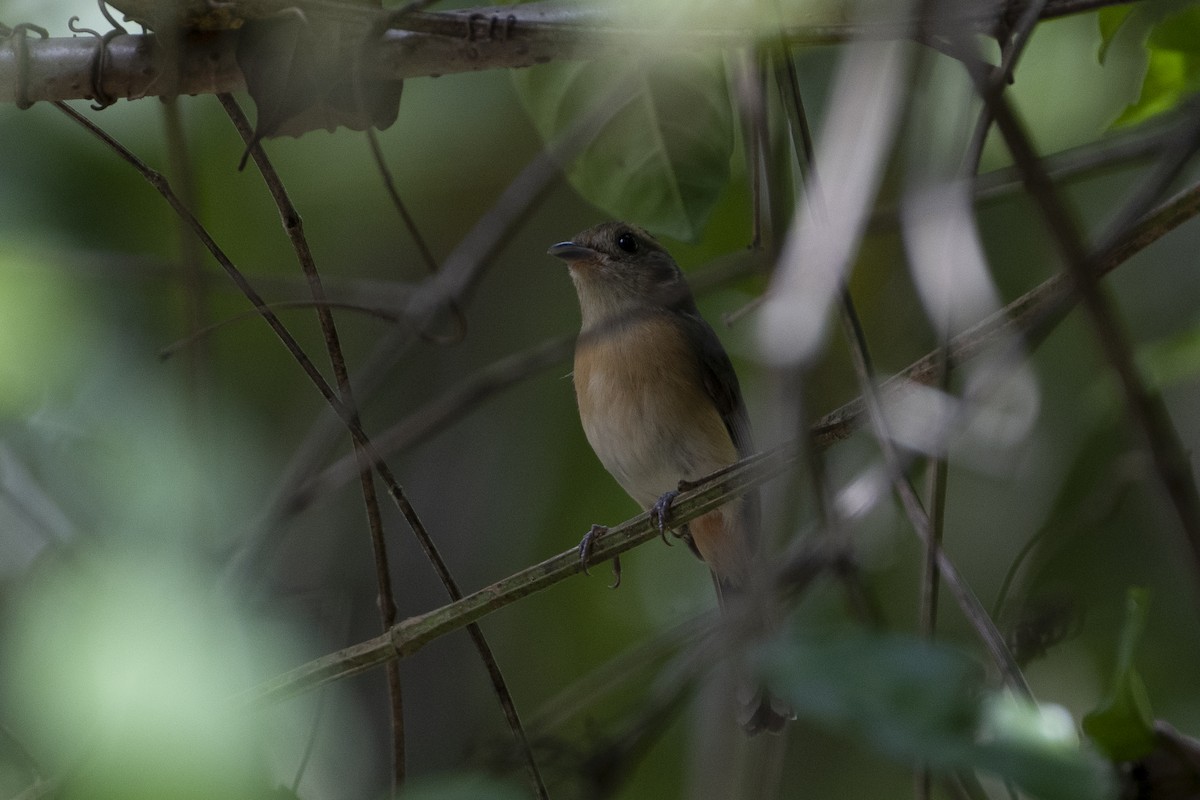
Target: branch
{"x":410,"y":635}
{"x":444,"y":43}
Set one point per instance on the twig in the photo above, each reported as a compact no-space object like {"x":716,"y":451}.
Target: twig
{"x":1143,"y":402}
{"x":439,"y":413}
{"x":453,"y":285}
{"x":1000,"y":77}
{"x":410,"y":635}
{"x":163,"y":187}
{"x":294,"y":226}
{"x":971,"y":607}
{"x":190,"y":269}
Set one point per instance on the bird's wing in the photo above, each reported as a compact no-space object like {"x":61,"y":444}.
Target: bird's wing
{"x":721,"y":382}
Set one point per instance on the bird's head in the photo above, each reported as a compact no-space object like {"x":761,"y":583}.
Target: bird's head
{"x":618,"y":268}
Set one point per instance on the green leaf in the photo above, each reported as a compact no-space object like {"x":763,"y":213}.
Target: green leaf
{"x":1172,"y":360}
{"x":1180,"y":32}
{"x":920,"y":702}
{"x":910,"y":698}
{"x":1035,"y":747}
{"x":1123,"y":725}
{"x":1110,"y":20}
{"x":663,"y":159}
{"x":1172,"y":68}
{"x":302,"y":73}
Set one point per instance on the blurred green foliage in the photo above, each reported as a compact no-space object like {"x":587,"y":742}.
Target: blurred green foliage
{"x":1123,"y":726}
{"x":1172,"y":54}
{"x":661,"y":156}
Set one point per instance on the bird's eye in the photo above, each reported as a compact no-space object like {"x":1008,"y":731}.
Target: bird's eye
{"x":627,"y":242}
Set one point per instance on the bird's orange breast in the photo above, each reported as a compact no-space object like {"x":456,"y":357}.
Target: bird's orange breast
{"x":644,"y":407}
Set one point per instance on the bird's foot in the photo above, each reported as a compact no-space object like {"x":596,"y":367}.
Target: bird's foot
{"x":588,"y":544}
{"x":660,"y":514}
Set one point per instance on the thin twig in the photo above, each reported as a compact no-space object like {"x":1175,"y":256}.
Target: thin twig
{"x":169,"y":350}
{"x":164,"y":188}
{"x":431,"y":265}
{"x":294,"y":226}
{"x":410,"y":635}
{"x":1002,"y":76}
{"x":439,"y":413}
{"x":454,"y":284}
{"x":190,"y":270}
{"x":971,"y":607}
{"x":389,"y":183}
{"x":1144,"y":402}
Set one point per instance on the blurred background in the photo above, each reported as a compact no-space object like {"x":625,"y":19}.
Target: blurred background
{"x":155,"y":561}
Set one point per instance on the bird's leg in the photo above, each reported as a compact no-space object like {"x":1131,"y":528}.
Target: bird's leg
{"x":661,"y":512}
{"x":588,"y":543}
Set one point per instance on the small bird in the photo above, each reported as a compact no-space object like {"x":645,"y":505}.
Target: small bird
{"x":660,"y":402}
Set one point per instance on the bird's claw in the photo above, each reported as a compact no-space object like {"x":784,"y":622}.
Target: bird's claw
{"x":616,"y":573}
{"x":588,"y":544}
{"x":661,"y":513}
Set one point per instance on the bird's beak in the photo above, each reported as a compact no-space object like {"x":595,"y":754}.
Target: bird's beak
{"x":569,"y":251}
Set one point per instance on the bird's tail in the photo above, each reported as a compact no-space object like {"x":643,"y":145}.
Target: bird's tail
{"x":759,"y":709}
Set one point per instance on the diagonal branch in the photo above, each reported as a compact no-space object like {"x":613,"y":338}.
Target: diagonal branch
{"x":1144,"y":403}
{"x":294,"y":226}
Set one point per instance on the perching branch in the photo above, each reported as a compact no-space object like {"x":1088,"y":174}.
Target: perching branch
{"x":427,"y":44}
{"x":410,"y":635}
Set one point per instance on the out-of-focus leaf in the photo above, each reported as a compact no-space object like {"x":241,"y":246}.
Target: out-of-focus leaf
{"x":1180,"y":32}
{"x":1123,"y":725}
{"x":1172,"y":360}
{"x":662,"y":160}
{"x":1035,"y":747}
{"x":44,"y":320}
{"x":919,"y":702}
{"x":912,"y":699}
{"x":1172,"y":68}
{"x":303,"y":73}
{"x":1110,"y":20}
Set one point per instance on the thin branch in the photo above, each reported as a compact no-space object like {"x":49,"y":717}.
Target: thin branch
{"x":190,"y":269}
{"x":930,"y":574}
{"x":439,"y":413}
{"x":449,"y":42}
{"x":410,"y":635}
{"x":1144,"y":403}
{"x":363,"y":456}
{"x":453,"y":285}
{"x":389,"y":183}
{"x":163,"y":187}
{"x":294,"y":226}
{"x":971,"y":607}
{"x":385,"y":474}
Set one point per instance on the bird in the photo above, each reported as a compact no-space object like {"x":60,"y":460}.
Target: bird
{"x":661,"y":405}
